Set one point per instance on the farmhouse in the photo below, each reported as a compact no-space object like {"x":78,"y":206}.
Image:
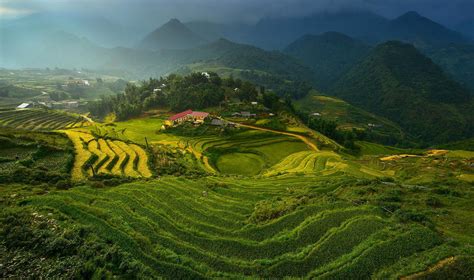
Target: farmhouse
{"x":217,"y":122}
{"x":25,"y":106}
{"x":196,"y":117}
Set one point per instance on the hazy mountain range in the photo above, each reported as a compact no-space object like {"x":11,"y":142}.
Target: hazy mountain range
{"x":422,"y":84}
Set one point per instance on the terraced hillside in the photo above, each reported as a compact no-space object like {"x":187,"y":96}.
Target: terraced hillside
{"x":35,"y":119}
{"x":106,"y":156}
{"x":246,"y":153}
{"x":216,"y":227}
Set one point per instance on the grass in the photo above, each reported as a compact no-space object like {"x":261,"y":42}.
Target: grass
{"x":346,"y":115}
{"x":311,"y":214}
{"x":240,"y":163}
{"x":111,"y":157}
{"x":82,"y":154}
{"x":170,"y":223}
{"x":35,"y":119}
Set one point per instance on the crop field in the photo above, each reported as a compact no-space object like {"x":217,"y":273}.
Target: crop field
{"x":247,"y":153}
{"x":28,"y":153}
{"x":347,"y":115}
{"x":106,"y":156}
{"x":33,"y":119}
{"x":220,"y":227}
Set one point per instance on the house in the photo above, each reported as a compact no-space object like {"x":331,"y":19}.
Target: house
{"x":24,"y":106}
{"x":178,"y":118}
{"x":316,"y":114}
{"x":236,"y":114}
{"x":254,"y":103}
{"x":247,"y":114}
{"x":46,"y":104}
{"x":156,"y":90}
{"x":196,"y":117}
{"x":217,"y":122}
{"x":205,"y":74}
{"x":372,"y":125}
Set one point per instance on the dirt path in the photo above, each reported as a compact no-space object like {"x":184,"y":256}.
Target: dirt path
{"x":433,"y":268}
{"x":302,"y":138}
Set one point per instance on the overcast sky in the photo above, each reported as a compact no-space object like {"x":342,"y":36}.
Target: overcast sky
{"x":153,"y":12}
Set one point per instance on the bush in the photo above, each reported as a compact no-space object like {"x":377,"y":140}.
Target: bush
{"x":433,"y":202}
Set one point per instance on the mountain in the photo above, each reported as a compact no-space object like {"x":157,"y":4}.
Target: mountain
{"x":466,"y":27}
{"x":277,"y":33}
{"x":98,"y":30}
{"x":349,"y":117}
{"x":421,"y":31}
{"x":329,"y":55}
{"x":171,"y":35}
{"x":49,"y":49}
{"x":397,"y":82}
{"x":237,"y":32}
{"x":457,"y":60}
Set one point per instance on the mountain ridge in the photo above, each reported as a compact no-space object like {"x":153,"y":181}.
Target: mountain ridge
{"x":171,"y":35}
{"x":397,"y":82}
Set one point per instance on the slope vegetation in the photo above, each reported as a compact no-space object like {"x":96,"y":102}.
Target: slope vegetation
{"x":397,"y":82}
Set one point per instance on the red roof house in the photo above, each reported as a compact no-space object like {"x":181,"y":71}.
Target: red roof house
{"x":180,"y":115}
{"x":199,"y":115}
{"x":186,"y":115}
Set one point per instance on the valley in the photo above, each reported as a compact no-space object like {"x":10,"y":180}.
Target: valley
{"x":139,"y":142}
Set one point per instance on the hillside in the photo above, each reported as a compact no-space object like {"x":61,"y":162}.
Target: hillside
{"x":466,"y":27}
{"x":421,"y":31}
{"x":155,"y":212}
{"x":329,"y":55}
{"x":457,"y":60}
{"x":172,"y":35}
{"x":397,"y":82}
{"x":349,"y":117}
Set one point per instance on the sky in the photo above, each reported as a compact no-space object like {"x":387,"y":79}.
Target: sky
{"x":154,"y":12}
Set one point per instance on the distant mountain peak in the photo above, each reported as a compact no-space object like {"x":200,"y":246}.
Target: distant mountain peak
{"x":412,"y":14}
{"x":397,"y":81}
{"x":172,"y":35}
{"x":421,"y":31}
{"x":173,"y":22}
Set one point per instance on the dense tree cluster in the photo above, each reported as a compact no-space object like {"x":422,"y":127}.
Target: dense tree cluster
{"x":179,"y":93}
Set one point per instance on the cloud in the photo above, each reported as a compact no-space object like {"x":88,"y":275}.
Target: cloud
{"x":153,"y":12}
{"x":6,"y":12}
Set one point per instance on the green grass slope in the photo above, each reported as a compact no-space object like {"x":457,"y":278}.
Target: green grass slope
{"x":224,"y":227}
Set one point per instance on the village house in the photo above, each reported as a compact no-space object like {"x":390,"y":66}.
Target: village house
{"x":217,"y":122}
{"x":25,"y":105}
{"x":188,"y":115}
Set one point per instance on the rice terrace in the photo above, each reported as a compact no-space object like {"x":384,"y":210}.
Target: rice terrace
{"x":326,"y":153}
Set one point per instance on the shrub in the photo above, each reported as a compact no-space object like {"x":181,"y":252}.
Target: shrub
{"x":433,"y":202}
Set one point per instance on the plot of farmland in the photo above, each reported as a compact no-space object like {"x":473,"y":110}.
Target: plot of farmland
{"x":33,"y":119}
{"x":107,"y":157}
{"x":170,"y":227}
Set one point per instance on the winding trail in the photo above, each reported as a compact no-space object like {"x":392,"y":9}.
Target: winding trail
{"x":431,"y":269}
{"x":301,"y":137}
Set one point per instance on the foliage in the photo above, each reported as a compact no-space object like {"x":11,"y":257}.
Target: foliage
{"x":194,"y":91}
{"x":398,"y":82}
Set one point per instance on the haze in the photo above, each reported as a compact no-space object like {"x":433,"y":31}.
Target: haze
{"x":151,"y":13}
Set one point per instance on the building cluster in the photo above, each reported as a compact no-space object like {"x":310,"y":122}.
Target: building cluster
{"x":196,"y":118}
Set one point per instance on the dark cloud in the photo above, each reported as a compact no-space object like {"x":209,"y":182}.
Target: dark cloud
{"x":153,"y":12}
